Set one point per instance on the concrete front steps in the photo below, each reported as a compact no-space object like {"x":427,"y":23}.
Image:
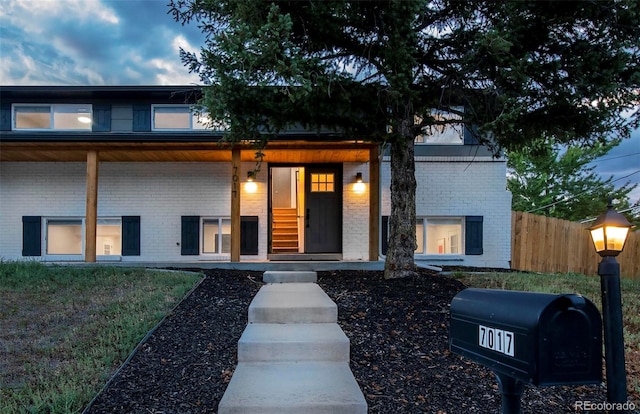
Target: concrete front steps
{"x":293,"y":357}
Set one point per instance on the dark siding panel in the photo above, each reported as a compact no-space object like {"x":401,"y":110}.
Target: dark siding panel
{"x":141,"y":118}
{"x":131,"y":235}
{"x":385,"y":234}
{"x":473,"y":235}
{"x":5,"y":117}
{"x":101,"y":118}
{"x":190,"y":243}
{"x":31,"y":236}
{"x":249,"y":235}
{"x":470,"y":136}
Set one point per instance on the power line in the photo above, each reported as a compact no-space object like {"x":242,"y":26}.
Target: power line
{"x":579,"y":194}
{"x":615,"y":158}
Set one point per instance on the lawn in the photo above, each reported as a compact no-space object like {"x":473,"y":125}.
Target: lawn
{"x":587,"y":286}
{"x":65,"y":330}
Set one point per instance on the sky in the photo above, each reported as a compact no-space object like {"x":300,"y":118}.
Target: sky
{"x":136,"y":42}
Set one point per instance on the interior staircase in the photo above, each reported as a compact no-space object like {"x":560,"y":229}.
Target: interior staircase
{"x":284,"y":231}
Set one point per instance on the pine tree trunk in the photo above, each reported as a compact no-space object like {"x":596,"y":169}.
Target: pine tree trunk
{"x":402,"y":222}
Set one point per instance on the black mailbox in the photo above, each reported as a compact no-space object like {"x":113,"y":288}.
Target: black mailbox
{"x":536,"y":338}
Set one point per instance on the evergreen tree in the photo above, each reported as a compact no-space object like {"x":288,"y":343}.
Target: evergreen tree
{"x":560,"y":182}
{"x":376,"y":70}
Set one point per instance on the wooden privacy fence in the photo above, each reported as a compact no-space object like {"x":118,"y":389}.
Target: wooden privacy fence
{"x":550,"y":245}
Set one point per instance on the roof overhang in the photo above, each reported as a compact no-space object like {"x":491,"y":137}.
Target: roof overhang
{"x":276,"y":152}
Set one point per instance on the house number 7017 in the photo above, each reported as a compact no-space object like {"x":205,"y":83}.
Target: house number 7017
{"x":496,"y":339}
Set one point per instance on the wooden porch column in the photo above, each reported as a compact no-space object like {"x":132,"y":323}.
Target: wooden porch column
{"x":374,"y":203}
{"x":235,"y":205}
{"x":91,"y":214}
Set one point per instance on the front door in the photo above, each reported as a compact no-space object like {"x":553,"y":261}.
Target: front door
{"x":323,"y":209}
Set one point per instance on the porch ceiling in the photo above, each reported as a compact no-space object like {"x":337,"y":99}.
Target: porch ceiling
{"x":276,"y":152}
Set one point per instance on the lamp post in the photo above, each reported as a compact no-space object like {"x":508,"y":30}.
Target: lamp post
{"x":609,"y":233}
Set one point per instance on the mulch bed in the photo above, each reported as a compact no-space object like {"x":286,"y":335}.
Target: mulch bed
{"x":399,"y":350}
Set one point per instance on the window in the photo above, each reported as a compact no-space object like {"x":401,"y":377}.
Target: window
{"x":322,"y":183}
{"x":66,"y":236}
{"x":444,"y":235}
{"x":108,"y":237}
{"x":177,"y":117}
{"x":64,"y":117}
{"x":449,"y":134}
{"x":216,"y":236}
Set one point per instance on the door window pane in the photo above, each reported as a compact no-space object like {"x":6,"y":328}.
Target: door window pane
{"x":64,"y":237}
{"x":322,"y":183}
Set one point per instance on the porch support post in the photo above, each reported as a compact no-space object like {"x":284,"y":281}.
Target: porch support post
{"x":91,"y":214}
{"x":374,"y":203}
{"x":235,"y":205}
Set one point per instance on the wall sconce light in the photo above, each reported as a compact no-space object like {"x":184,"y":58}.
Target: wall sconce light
{"x":250,"y":186}
{"x":359,"y":187}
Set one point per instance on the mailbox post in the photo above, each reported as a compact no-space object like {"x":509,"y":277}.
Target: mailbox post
{"x":609,"y":233}
{"x":528,"y":338}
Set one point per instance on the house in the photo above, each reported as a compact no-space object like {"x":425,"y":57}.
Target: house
{"x":131,"y":173}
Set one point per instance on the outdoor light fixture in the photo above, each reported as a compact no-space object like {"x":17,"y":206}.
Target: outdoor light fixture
{"x":359,"y":186}
{"x":609,"y":234}
{"x":250,"y":186}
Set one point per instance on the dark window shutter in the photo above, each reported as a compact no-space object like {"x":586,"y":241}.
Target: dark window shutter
{"x":473,"y":235}
{"x":32,"y":236}
{"x":5,"y":117}
{"x":131,"y":235}
{"x":141,"y":117}
{"x":385,"y":234}
{"x":190,"y":243}
{"x":101,"y":118}
{"x":470,"y":135}
{"x":249,"y":235}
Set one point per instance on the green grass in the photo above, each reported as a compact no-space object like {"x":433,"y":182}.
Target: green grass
{"x":64,"y":330}
{"x":587,"y":286}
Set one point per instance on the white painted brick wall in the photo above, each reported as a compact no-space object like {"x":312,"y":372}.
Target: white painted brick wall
{"x":163,"y":192}
{"x":463,"y":189}
{"x":355,"y":214}
{"x":158,"y":192}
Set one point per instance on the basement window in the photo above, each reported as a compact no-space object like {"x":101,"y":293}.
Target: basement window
{"x":216,"y":235}
{"x":65,"y":236}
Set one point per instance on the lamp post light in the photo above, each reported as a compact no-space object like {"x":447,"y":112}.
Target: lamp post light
{"x":609,"y":233}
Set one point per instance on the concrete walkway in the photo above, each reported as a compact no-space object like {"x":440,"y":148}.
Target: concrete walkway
{"x":293,"y":357}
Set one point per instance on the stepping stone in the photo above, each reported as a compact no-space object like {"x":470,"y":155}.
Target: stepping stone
{"x":275,"y":276}
{"x":292,"y":303}
{"x":268,"y":342}
{"x":293,"y":388}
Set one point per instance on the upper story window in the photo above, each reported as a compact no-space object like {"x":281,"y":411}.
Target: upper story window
{"x":177,"y":117}
{"x":447,"y":134}
{"x":63,"y":117}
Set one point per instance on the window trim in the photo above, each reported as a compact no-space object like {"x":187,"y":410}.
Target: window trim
{"x":52,"y":112}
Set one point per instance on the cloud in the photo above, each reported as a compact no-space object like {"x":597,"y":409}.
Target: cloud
{"x":92,"y":42}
